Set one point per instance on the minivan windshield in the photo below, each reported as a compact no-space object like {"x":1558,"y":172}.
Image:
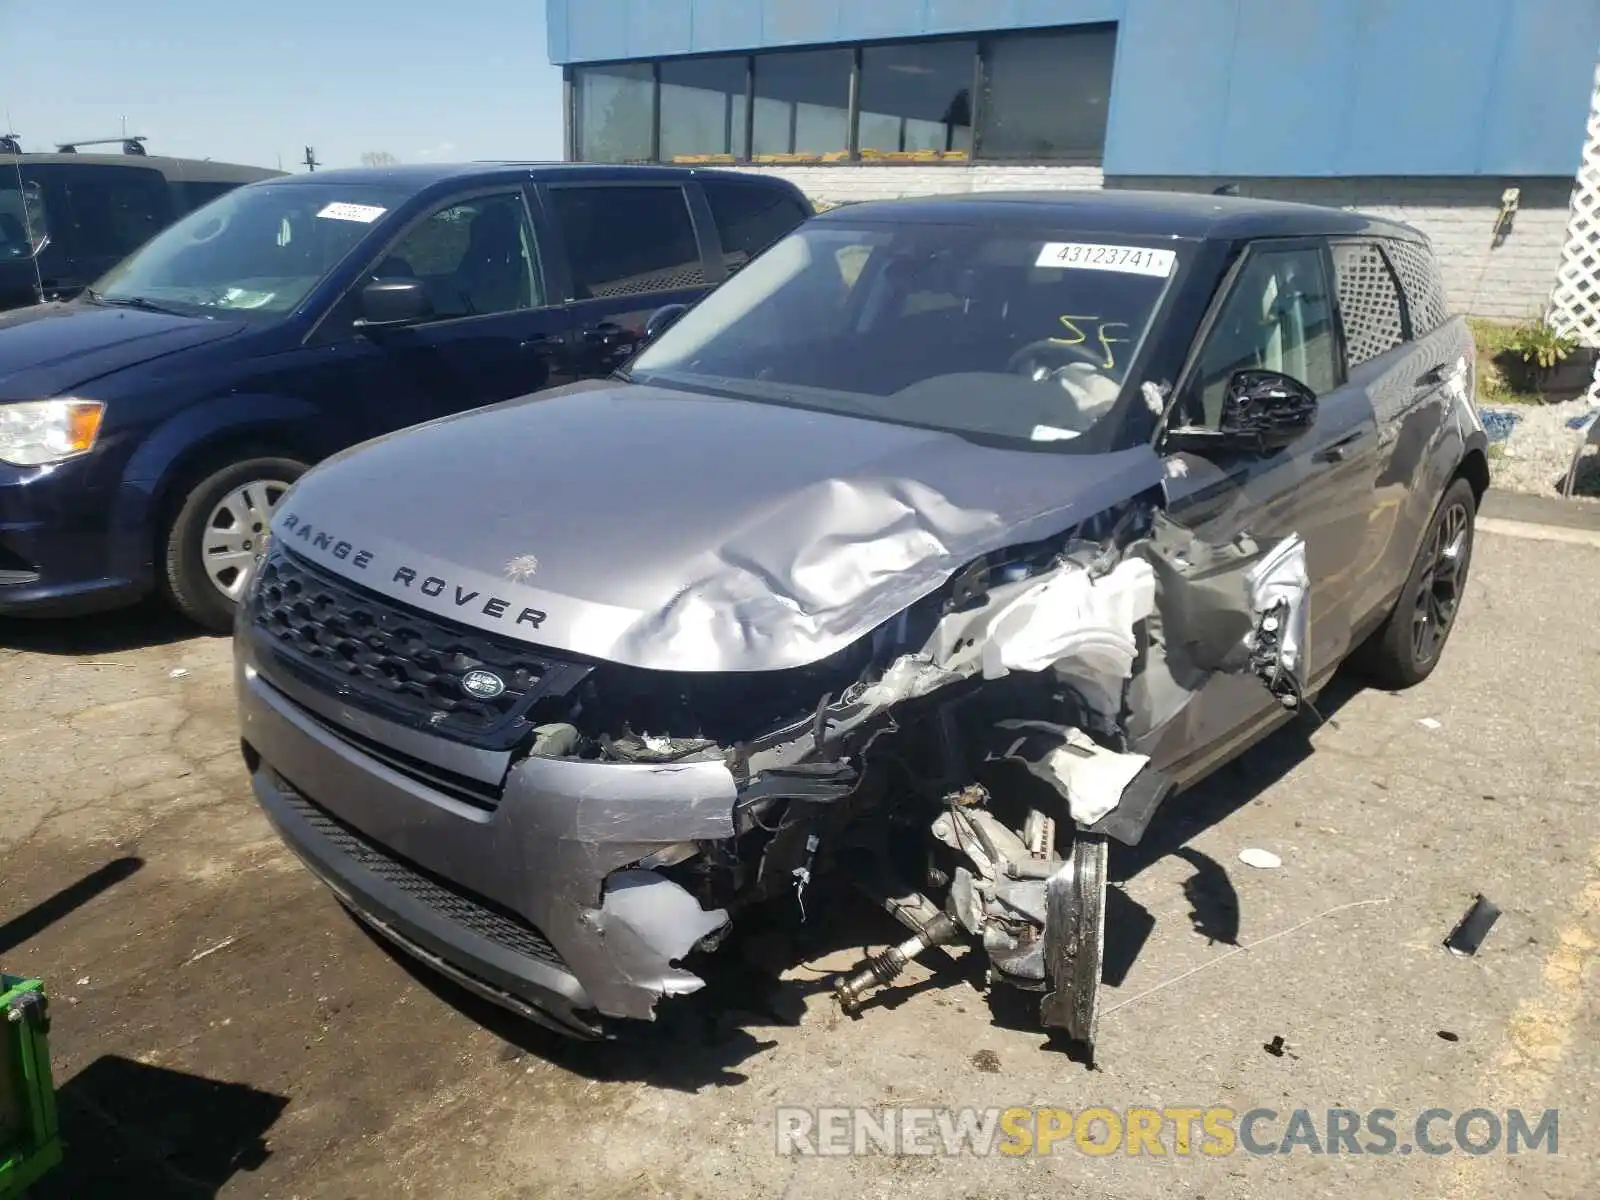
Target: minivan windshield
{"x":258,"y":249}
{"x":1010,"y":332}
{"x":24,"y":225}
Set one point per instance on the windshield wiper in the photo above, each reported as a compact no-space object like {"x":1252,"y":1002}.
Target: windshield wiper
{"x":138,"y":302}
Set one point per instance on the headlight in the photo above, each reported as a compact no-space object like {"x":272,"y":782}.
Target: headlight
{"x":48,"y":431}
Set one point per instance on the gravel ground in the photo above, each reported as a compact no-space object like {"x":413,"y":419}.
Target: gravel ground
{"x":1536,"y":456}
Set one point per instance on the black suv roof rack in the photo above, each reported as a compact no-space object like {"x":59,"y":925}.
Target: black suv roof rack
{"x":130,"y":145}
{"x":10,"y":143}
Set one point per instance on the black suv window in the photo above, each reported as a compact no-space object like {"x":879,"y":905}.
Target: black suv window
{"x":196,"y":194}
{"x":475,"y":257}
{"x":1369,"y":301}
{"x":749,"y":219}
{"x":1420,"y":283}
{"x":1278,"y":317}
{"x":628,"y":241}
{"x":116,"y":210}
{"x":24,"y":218}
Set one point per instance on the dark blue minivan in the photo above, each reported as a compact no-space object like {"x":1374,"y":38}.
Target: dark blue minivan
{"x":148,"y":427}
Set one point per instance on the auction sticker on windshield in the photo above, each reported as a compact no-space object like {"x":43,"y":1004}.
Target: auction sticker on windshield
{"x":1091,"y":256}
{"x":341,"y":211}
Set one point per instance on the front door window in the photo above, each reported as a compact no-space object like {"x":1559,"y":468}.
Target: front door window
{"x":476,"y":258}
{"x":1279,"y":317}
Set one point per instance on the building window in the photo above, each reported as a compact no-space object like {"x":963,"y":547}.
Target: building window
{"x":802,"y":108}
{"x":916,"y":99}
{"x":702,"y":108}
{"x":1045,"y":96}
{"x":615,"y":112}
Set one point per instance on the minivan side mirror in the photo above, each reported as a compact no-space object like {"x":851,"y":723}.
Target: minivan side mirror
{"x":1262,"y":412}
{"x":391,"y":303}
{"x":663,"y":319}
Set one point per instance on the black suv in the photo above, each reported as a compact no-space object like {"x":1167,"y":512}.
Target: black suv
{"x":149,"y":427}
{"x":66,"y":219}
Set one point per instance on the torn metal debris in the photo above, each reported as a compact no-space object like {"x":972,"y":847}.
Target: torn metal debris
{"x":1469,"y":933}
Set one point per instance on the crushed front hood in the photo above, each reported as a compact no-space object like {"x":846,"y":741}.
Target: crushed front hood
{"x":676,"y":531}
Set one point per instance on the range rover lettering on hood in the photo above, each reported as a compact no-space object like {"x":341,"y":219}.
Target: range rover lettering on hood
{"x":741,"y":536}
{"x":296,"y":530}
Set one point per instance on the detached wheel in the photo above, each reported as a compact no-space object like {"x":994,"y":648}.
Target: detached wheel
{"x":216,"y":536}
{"x":1407,"y":647}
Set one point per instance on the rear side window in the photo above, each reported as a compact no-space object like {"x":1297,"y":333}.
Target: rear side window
{"x":116,"y":211}
{"x":749,"y":219}
{"x":1369,"y":301}
{"x":628,"y":241}
{"x":1424,"y":290}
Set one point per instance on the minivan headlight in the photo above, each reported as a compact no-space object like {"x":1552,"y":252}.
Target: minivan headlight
{"x":36,"y":432}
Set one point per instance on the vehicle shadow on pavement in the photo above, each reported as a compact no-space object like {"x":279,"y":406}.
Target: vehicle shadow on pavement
{"x":1213,"y":900}
{"x":148,"y":624}
{"x":699,"y":1040}
{"x":758,"y":979}
{"x":136,"y":1130}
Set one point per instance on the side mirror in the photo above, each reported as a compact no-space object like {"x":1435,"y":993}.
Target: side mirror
{"x":663,"y":319}
{"x":1263,"y":412}
{"x":391,"y":303}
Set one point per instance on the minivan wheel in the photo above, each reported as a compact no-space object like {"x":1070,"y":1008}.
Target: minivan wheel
{"x":1407,"y":647}
{"x":216,"y":537}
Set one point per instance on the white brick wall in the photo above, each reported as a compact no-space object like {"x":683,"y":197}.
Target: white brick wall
{"x":847,"y":184}
{"x":1511,"y":280}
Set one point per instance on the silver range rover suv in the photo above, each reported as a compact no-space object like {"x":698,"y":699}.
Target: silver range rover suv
{"x":944,"y":544}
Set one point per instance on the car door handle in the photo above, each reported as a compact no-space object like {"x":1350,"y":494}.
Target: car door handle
{"x":604,"y":335}
{"x":1340,"y":450}
{"x":539,"y":344}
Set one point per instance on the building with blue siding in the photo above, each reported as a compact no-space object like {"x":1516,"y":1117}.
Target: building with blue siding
{"x":1465,"y":117}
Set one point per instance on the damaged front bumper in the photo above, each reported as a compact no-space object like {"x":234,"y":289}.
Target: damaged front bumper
{"x":561,"y":923}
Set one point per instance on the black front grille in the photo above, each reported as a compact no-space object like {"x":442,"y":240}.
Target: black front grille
{"x":452,"y":902}
{"x":397,"y":662}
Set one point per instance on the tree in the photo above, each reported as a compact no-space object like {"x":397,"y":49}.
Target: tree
{"x":378,"y":158}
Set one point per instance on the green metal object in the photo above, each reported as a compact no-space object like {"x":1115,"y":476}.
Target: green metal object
{"x":30,"y":1142}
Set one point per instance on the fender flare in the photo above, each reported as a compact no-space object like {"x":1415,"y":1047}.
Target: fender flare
{"x":181,"y":439}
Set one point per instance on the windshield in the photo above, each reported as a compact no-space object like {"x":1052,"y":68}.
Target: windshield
{"x":258,"y":249}
{"x":24,"y":224}
{"x":998,"y":331}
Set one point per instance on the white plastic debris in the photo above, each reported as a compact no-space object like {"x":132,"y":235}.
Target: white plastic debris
{"x":1429,"y":723}
{"x":1070,"y":616}
{"x":1094,"y":777}
{"x":1262,"y":860}
{"x":907,"y":678}
{"x":177,"y":673}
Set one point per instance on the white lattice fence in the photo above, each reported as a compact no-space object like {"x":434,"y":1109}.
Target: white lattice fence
{"x":1575,"y":301}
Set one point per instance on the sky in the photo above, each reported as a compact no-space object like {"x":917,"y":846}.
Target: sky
{"x":258,"y":83}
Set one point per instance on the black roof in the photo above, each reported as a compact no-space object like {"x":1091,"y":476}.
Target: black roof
{"x":420,"y":175}
{"x":1150,"y":214}
{"x":197,"y":170}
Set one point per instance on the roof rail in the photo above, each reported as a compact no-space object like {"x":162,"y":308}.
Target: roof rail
{"x":130,"y":145}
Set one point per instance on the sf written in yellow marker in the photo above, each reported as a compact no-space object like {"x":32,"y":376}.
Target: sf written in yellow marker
{"x":1078,"y":337}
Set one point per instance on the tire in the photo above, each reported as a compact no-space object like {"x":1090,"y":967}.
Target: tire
{"x":1408,"y":645}
{"x":208,"y":546}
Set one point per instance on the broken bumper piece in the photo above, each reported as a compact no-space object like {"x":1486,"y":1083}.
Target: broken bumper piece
{"x":560,"y":924}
